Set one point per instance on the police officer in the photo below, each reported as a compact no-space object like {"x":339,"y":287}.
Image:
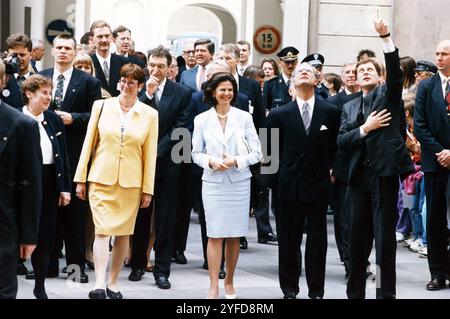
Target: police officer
{"x":276,"y":90}
{"x":424,"y":70}
{"x":317,"y":61}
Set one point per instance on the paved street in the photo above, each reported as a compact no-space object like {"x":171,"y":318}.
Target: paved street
{"x":256,"y":276}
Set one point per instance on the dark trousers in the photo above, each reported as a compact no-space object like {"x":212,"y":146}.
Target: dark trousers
{"x":141,"y":238}
{"x":184,"y":207}
{"x":372,"y":206}
{"x":261,"y":210}
{"x":291,"y":222}
{"x":72,"y":220}
{"x":435,"y":184}
{"x":8,"y":272}
{"x":341,"y":225}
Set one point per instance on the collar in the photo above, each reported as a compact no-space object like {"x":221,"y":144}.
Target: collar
{"x":26,"y":75}
{"x":285,"y":78}
{"x":67,"y":74}
{"x":444,"y":79}
{"x":39,"y":118}
{"x":136,"y":108}
{"x":311,"y":102}
{"x":162,"y":85}
{"x":101,"y":59}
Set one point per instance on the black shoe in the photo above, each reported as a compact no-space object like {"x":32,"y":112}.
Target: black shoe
{"x":113,"y":295}
{"x":370,"y":275}
{"x":205,"y":266}
{"x":163,"y":282}
{"x":136,"y":274}
{"x":97,"y":294}
{"x":243,"y":243}
{"x":290,"y":295}
{"x":82,"y":279}
{"x":435,"y":285}
{"x":21,"y":270}
{"x":270,"y":237}
{"x":179,"y":258}
{"x":222,"y":274}
{"x":40,"y":294}
{"x":64,"y":270}
{"x":30,"y":276}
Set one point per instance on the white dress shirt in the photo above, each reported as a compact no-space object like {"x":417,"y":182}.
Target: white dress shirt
{"x":444,"y":81}
{"x":102,"y":61}
{"x":159,"y":92}
{"x":67,"y":76}
{"x":46,"y":144}
{"x":126,"y":118}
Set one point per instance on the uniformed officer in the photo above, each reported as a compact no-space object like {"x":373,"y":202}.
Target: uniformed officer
{"x":276,"y":90}
{"x":317,"y":61}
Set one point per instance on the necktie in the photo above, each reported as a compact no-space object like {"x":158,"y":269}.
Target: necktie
{"x":20,"y":80}
{"x":447,"y":97}
{"x":59,"y":93}
{"x":157,"y":96}
{"x":106,"y":71}
{"x":306,"y":117}
{"x":202,"y":77}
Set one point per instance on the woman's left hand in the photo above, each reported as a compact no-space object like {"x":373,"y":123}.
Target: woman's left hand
{"x":146,"y":200}
{"x":230,"y":162}
{"x":64,"y":199}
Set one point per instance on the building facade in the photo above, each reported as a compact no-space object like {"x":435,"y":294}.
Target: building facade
{"x":338,"y":29}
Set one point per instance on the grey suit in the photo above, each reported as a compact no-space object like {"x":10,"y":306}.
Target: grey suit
{"x":189,"y":79}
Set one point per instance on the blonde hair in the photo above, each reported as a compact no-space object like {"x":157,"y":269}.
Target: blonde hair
{"x":84,"y":59}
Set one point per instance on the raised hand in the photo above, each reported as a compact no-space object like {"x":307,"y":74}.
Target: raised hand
{"x":381,"y":27}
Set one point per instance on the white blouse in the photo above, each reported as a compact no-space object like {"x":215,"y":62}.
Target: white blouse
{"x":46,"y":144}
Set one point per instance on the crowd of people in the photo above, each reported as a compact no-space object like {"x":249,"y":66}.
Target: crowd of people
{"x":107,"y":154}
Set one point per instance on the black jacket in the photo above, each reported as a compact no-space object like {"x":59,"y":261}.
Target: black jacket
{"x":305,"y":160}
{"x":20,"y":179}
{"x":117,"y":62}
{"x":276,"y":93}
{"x":431,"y":122}
{"x":385,"y":147}
{"x":252,"y":89}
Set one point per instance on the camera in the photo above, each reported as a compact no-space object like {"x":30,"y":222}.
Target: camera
{"x":12,"y":63}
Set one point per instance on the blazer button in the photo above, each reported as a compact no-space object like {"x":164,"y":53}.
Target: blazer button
{"x":52,"y":137}
{"x":56,"y":155}
{"x":5,"y":139}
{"x":59,"y":175}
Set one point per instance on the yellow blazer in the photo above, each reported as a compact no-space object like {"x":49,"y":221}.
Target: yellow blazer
{"x":132,"y":163}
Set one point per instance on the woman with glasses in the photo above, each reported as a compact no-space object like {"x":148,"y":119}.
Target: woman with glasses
{"x":118,"y":160}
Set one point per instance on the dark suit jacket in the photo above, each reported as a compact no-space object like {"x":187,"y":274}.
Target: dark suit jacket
{"x":305,"y":160}
{"x":189,"y":78}
{"x":137,"y":61}
{"x":117,"y":62}
{"x":431,"y":122}
{"x":82,"y":92}
{"x":276,"y":93}
{"x":173,"y":112}
{"x":252,"y":89}
{"x":21,"y":179}
{"x":14,"y":98}
{"x":342,"y":158}
{"x":385,"y":147}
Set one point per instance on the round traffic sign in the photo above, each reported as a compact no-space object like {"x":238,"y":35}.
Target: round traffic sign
{"x":267,"y":39}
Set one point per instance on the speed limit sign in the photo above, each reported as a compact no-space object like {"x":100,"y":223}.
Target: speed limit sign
{"x":267,"y":39}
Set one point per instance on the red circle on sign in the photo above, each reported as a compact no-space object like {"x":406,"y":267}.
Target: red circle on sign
{"x":267,"y":39}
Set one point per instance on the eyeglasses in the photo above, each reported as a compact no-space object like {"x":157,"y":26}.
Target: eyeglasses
{"x":129,"y":83}
{"x":189,"y":52}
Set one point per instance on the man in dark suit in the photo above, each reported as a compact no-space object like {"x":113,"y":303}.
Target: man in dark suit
{"x":20,"y":191}
{"x":370,"y":132}
{"x":276,"y":90}
{"x":432,"y":128}
{"x":308,"y":128}
{"x":37,"y":53}
{"x":172,"y":101}
{"x":107,"y":65}
{"x":340,"y":167}
{"x":18,"y":45}
{"x":195,"y":77}
{"x":74,"y":93}
{"x":123,"y":41}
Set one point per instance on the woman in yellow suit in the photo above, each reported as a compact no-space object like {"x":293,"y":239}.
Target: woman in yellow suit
{"x":121,"y":142}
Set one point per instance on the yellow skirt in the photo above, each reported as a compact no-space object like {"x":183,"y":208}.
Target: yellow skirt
{"x":114,"y":209}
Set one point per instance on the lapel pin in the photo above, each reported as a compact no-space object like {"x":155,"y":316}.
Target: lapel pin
{"x":5,"y":139}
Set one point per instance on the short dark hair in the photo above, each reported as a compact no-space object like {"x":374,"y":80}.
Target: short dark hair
{"x":370,"y":60}
{"x":244,"y":42}
{"x":34,"y":83}
{"x":160,"y":52}
{"x":210,"y":45}
{"x":253,"y":71}
{"x":133,"y":71}
{"x":367,"y":52}
{"x":334,"y":79}
{"x":119,"y":29}
{"x":408,"y":64}
{"x":212,"y":85}
{"x":19,"y":39}
{"x":85,"y":38}
{"x":66,"y":36}
{"x":141,"y":56}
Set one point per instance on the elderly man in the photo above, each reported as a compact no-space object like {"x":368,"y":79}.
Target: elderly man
{"x":307,"y":128}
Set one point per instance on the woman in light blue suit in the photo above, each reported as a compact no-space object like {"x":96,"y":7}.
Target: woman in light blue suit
{"x":225,"y":144}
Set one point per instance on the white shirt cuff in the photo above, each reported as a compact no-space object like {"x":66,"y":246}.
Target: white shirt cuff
{"x":389,"y":47}
{"x":361,"y":132}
